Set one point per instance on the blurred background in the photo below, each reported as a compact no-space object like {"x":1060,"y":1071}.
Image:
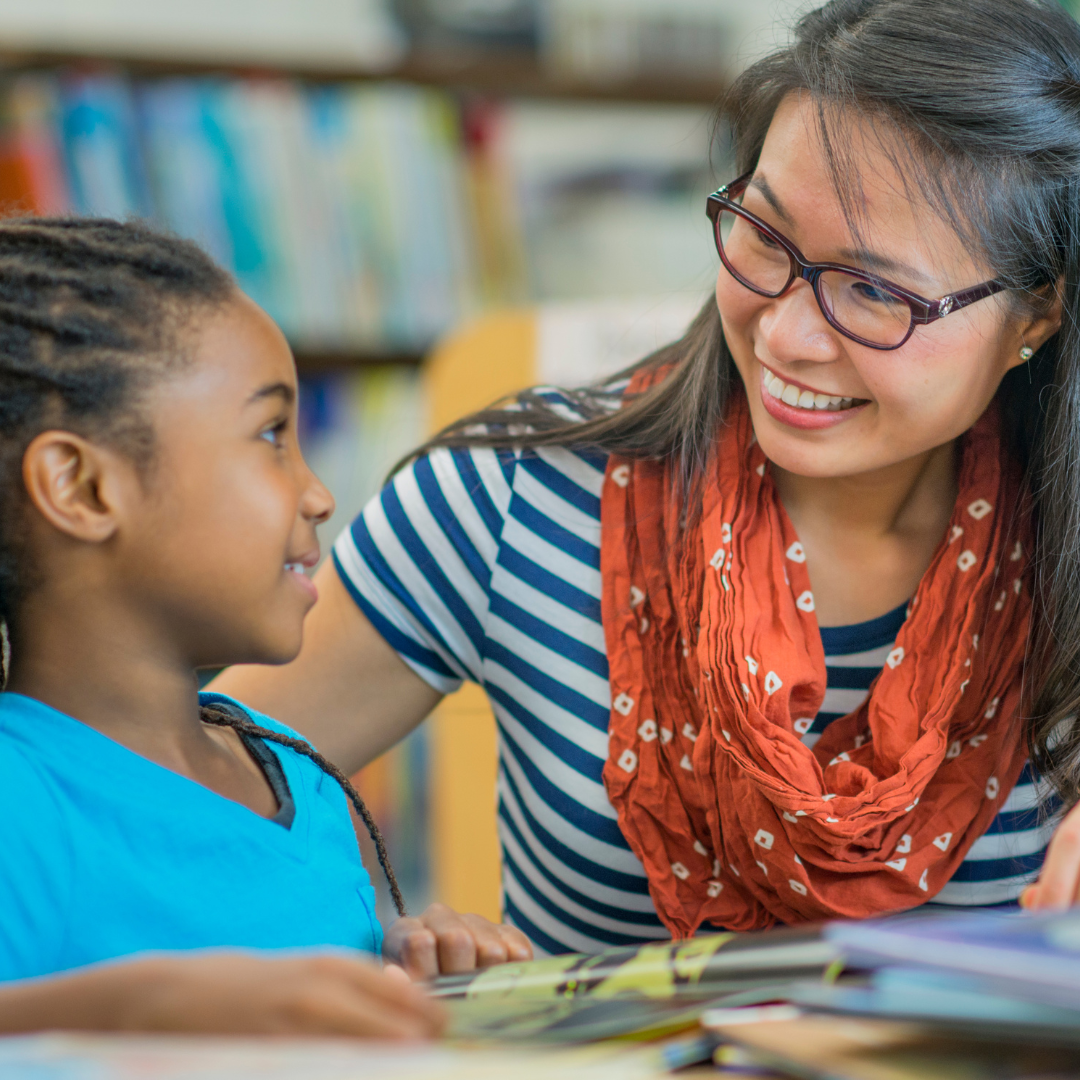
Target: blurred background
{"x":377,"y":173}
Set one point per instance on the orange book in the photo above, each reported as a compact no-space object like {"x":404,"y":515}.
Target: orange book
{"x":32,"y":174}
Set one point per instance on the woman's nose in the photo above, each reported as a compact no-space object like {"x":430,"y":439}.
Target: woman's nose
{"x":793,"y":327}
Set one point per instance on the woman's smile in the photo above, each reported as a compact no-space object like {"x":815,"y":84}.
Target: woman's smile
{"x":797,"y":405}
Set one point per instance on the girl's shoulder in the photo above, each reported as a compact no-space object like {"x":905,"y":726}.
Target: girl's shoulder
{"x":212,"y":697}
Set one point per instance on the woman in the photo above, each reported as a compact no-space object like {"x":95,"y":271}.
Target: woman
{"x":855,"y":472}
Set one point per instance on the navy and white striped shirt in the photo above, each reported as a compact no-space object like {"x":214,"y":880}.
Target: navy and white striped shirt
{"x":486,"y":566}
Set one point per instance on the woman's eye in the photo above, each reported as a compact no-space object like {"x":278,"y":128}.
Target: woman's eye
{"x":765,"y":239}
{"x":866,"y":291}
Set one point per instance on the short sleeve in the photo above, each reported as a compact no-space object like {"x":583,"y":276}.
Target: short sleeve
{"x":419,"y":557}
{"x":35,"y":871}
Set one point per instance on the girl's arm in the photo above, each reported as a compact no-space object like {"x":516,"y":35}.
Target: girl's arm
{"x":348,"y":691}
{"x":225,"y":993}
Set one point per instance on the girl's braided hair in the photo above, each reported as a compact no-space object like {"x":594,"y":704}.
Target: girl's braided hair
{"x":92,"y":313}
{"x":230,"y":716}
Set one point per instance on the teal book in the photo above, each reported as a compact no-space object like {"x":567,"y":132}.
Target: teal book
{"x":101,"y":148}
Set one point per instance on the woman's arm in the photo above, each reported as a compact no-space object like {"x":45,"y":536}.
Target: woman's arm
{"x":1058,"y":886}
{"x":348,"y":691}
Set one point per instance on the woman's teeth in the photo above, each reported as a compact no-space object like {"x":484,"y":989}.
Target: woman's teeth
{"x":295,"y":567}
{"x":802,"y":399}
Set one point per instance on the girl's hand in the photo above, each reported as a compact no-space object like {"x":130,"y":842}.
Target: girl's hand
{"x":1058,"y":886}
{"x":442,"y":942}
{"x":226,"y":993}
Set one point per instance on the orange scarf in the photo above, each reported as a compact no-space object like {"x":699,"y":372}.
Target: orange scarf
{"x":717,"y":666}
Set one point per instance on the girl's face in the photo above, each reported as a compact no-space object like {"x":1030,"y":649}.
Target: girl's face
{"x":216,"y":549}
{"x":905,"y":402}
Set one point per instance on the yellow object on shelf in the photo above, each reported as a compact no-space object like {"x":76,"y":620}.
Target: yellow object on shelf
{"x":486,"y":359}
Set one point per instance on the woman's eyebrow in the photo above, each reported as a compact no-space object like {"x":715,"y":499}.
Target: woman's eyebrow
{"x":860,"y":257}
{"x":278,"y":389}
{"x":771,"y":198}
{"x":869,"y":260}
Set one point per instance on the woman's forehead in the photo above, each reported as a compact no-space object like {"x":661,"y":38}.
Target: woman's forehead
{"x":840,"y":179}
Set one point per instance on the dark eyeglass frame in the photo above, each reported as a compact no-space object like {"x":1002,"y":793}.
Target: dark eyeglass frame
{"x":923,"y":311}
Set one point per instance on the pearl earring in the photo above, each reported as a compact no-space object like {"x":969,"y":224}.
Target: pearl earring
{"x":1026,"y":353}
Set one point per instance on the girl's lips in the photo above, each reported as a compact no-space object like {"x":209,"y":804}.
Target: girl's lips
{"x":805,"y":419}
{"x":304,"y":582}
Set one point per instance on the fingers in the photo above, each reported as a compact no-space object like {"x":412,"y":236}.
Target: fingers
{"x":496,"y":943}
{"x":443,"y":942}
{"x":518,"y":946}
{"x":1059,"y":882}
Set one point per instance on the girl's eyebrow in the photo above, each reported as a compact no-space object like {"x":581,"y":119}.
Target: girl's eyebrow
{"x":279,"y":389}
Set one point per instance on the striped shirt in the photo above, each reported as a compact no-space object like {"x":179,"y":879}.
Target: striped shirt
{"x":486,"y":566}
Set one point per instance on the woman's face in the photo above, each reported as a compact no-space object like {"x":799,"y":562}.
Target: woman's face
{"x":905,"y":402}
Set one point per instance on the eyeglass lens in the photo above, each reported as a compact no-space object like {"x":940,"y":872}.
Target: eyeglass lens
{"x":856,"y":305}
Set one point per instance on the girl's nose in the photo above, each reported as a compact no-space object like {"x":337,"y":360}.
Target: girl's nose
{"x":318,"y":504}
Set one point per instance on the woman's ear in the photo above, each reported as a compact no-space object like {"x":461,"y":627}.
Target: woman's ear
{"x":75,"y":485}
{"x":1039,"y":329}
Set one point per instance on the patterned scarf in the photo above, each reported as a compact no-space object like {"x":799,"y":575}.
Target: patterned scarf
{"x":717,"y":668}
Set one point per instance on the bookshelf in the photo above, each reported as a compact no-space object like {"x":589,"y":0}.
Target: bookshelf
{"x":324,"y":361}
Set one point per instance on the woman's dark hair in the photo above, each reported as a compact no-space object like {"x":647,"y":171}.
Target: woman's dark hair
{"x":92,"y":313}
{"x":977,"y":102}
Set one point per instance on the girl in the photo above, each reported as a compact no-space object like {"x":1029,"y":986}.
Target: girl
{"x":786,"y":626}
{"x":156,"y":516}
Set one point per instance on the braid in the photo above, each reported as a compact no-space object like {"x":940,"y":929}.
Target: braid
{"x":90,"y":313}
{"x":222,"y":716}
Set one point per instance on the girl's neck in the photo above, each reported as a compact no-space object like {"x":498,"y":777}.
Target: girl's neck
{"x":92,"y":660}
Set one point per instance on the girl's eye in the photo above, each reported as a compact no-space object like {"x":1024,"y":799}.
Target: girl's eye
{"x":274,"y":435}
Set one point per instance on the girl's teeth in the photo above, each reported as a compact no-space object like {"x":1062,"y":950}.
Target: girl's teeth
{"x":802,"y":399}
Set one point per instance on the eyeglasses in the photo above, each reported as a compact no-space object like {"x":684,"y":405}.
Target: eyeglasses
{"x":863,"y":307}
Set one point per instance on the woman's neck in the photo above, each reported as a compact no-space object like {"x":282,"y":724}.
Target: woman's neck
{"x":870,"y":537}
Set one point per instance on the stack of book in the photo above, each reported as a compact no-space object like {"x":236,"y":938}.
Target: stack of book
{"x":918,"y":996}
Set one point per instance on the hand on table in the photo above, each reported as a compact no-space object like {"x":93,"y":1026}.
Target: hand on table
{"x":227,"y":993}
{"x":1058,"y":886}
{"x":442,"y":942}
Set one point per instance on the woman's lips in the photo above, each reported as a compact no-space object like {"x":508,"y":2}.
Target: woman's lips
{"x":802,"y":408}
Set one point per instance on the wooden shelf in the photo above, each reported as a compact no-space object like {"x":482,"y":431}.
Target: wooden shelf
{"x":504,"y":74}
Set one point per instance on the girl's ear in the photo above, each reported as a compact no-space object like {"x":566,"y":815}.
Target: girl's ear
{"x":76,"y":485}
